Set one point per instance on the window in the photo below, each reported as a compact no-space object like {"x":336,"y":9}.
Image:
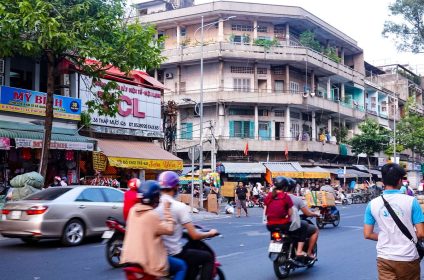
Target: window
{"x":242,"y":112}
{"x":48,"y":194}
{"x":280,"y":30}
{"x":242,"y":129}
{"x":91,"y":195}
{"x":295,"y":115}
{"x":241,"y":85}
{"x":242,"y":69}
{"x":263,"y":112}
{"x":183,"y":31}
{"x":113,"y":195}
{"x":279,"y":113}
{"x":142,"y":12}
{"x":262,"y":28}
{"x":295,"y":130}
{"x":262,"y":71}
{"x":278,"y":70}
{"x":241,"y":27}
{"x":279,"y":86}
{"x":187,"y":131}
{"x":294,"y":87}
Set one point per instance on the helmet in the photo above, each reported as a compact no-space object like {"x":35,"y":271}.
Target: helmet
{"x":134,"y":183}
{"x":149,"y":192}
{"x":281,"y":182}
{"x":292,"y":184}
{"x":169,"y":180}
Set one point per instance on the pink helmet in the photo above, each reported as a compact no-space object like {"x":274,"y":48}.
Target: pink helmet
{"x":169,"y":180}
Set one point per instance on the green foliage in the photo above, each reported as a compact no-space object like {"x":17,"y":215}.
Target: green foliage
{"x":416,"y":79}
{"x":307,"y":39}
{"x":410,"y":130}
{"x":186,"y":42}
{"x":341,"y":135}
{"x":407,"y":26}
{"x":373,"y":138}
{"x":76,"y":30}
{"x":266,"y":43}
{"x":331,"y":53}
{"x":389,"y":151}
{"x":85,"y":119}
{"x":246,"y":38}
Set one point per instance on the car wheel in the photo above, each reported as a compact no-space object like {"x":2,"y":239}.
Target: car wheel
{"x":74,"y":233}
{"x":30,"y":240}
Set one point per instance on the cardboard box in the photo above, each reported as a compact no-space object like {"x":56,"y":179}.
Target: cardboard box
{"x":320,"y":198}
{"x":211,"y":204}
{"x":228,"y":189}
{"x":186,"y":199}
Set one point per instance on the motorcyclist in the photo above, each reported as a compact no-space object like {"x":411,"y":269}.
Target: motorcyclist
{"x":306,"y":230}
{"x":278,"y":206}
{"x":169,"y":182}
{"x":130,"y":196}
{"x":142,"y":243}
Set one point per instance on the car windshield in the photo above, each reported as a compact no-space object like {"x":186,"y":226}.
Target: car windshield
{"x":48,"y":194}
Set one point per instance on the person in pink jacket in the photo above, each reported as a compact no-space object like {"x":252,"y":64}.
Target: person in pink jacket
{"x":142,"y":243}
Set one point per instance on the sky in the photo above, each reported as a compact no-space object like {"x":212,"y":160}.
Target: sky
{"x":362,"y":20}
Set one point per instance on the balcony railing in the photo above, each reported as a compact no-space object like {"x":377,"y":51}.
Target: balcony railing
{"x":286,"y":53}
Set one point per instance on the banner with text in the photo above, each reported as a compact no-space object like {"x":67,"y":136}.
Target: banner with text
{"x":139,"y":109}
{"x":55,"y":145}
{"x":151,"y":164}
{"x":31,"y":102}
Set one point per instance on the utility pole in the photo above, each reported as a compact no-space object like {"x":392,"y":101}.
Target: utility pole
{"x":213,"y":149}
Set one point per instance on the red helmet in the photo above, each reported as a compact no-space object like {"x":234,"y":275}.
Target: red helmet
{"x":134,"y":184}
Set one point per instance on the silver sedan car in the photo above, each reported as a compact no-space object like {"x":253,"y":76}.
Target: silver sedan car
{"x":68,"y":213}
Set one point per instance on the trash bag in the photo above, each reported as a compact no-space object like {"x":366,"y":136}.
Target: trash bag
{"x":21,"y":193}
{"x":32,"y":179}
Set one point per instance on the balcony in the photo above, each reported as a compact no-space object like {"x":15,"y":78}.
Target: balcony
{"x":238,"y":144}
{"x":259,"y":53}
{"x":266,"y":97}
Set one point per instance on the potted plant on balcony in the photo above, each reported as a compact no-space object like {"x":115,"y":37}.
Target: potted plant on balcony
{"x":266,"y":43}
{"x":307,"y":39}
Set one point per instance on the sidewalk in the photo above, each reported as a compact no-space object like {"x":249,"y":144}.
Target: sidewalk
{"x":205,"y":216}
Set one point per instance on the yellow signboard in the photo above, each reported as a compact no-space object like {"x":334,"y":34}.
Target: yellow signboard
{"x":316,"y":175}
{"x":152,"y":164}
{"x":291,"y":174}
{"x":99,"y":161}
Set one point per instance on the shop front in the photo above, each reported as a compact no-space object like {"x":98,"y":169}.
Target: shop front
{"x":247,"y":172}
{"x":287,"y":169}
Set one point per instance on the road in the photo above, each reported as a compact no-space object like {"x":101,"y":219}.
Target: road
{"x":342,"y":251}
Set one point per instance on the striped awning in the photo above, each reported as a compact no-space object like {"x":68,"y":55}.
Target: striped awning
{"x":287,"y":169}
{"x":315,"y":172}
{"x":244,"y":167}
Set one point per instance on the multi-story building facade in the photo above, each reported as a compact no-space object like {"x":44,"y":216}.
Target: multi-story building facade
{"x":262,"y":86}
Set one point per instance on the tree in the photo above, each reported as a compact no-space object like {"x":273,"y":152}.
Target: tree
{"x":408,"y":29}
{"x":54,"y":30}
{"x":373,"y":139}
{"x":410,"y":129}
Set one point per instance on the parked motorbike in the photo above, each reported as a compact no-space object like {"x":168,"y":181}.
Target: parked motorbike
{"x":114,"y":239}
{"x":329,"y":215}
{"x":282,"y":252}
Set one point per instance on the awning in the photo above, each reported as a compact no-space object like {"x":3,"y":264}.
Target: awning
{"x":361,"y":167}
{"x":188,"y":170}
{"x":375,"y":172}
{"x":287,"y":169}
{"x":350,"y":173}
{"x":31,"y":136}
{"x":138,"y":155}
{"x":244,"y":167}
{"x":315,"y":173}
{"x":151,"y":81}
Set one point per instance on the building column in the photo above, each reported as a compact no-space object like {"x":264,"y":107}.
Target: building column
{"x":155,"y":75}
{"x":255,"y":30}
{"x":330,"y":126}
{"x":221,"y":75}
{"x":178,"y":124}
{"x":177,"y":86}
{"x":287,"y":34}
{"x":312,"y":81}
{"x":221,"y":120}
{"x":256,"y":122}
{"x":328,"y":88}
{"x":287,"y":125}
{"x":272,"y":130}
{"x":36,"y":77}
{"x":221,"y":30}
{"x":179,"y":36}
{"x":255,"y":77}
{"x":342,"y":55}
{"x":342,"y":92}
{"x":287,"y":80}
{"x":314,"y":127}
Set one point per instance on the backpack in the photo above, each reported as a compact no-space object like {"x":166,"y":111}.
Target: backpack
{"x":278,"y":208}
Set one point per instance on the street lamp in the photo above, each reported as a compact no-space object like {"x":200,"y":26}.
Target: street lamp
{"x":202,"y":27}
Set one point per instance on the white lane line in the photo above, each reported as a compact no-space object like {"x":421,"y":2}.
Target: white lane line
{"x":352,"y":227}
{"x":230,"y":255}
{"x":96,"y":246}
{"x":351,"y":216}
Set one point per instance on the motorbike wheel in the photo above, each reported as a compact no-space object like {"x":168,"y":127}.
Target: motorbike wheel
{"x":250,"y":204}
{"x":337,"y":220}
{"x":219,"y":274}
{"x":113,"y":250}
{"x":280,"y":270}
{"x":344,"y":202}
{"x":320,"y":223}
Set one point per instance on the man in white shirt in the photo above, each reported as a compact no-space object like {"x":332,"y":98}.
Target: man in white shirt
{"x":397,"y":257}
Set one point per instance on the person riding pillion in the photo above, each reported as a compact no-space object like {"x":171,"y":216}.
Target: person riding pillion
{"x":169,"y":182}
{"x":142,"y":243}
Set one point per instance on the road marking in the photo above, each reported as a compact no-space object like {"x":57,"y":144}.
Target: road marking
{"x":230,"y":255}
{"x":352,"y":216}
{"x":96,"y":246}
{"x":353,"y":227}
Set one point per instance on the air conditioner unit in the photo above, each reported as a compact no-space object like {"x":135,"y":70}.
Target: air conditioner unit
{"x":169,"y":75}
{"x":1,"y":66}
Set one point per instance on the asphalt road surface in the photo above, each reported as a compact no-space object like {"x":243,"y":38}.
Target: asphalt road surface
{"x":242,"y":250}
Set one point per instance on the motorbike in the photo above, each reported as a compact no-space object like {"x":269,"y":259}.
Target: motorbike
{"x":114,"y":239}
{"x":253,"y":201}
{"x":329,"y":215}
{"x":282,"y":252}
{"x":135,"y":272}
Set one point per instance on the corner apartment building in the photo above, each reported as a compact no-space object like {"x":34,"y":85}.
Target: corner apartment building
{"x":262,"y":87}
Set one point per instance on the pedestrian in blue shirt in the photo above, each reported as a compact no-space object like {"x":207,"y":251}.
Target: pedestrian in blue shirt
{"x":397,"y":256}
